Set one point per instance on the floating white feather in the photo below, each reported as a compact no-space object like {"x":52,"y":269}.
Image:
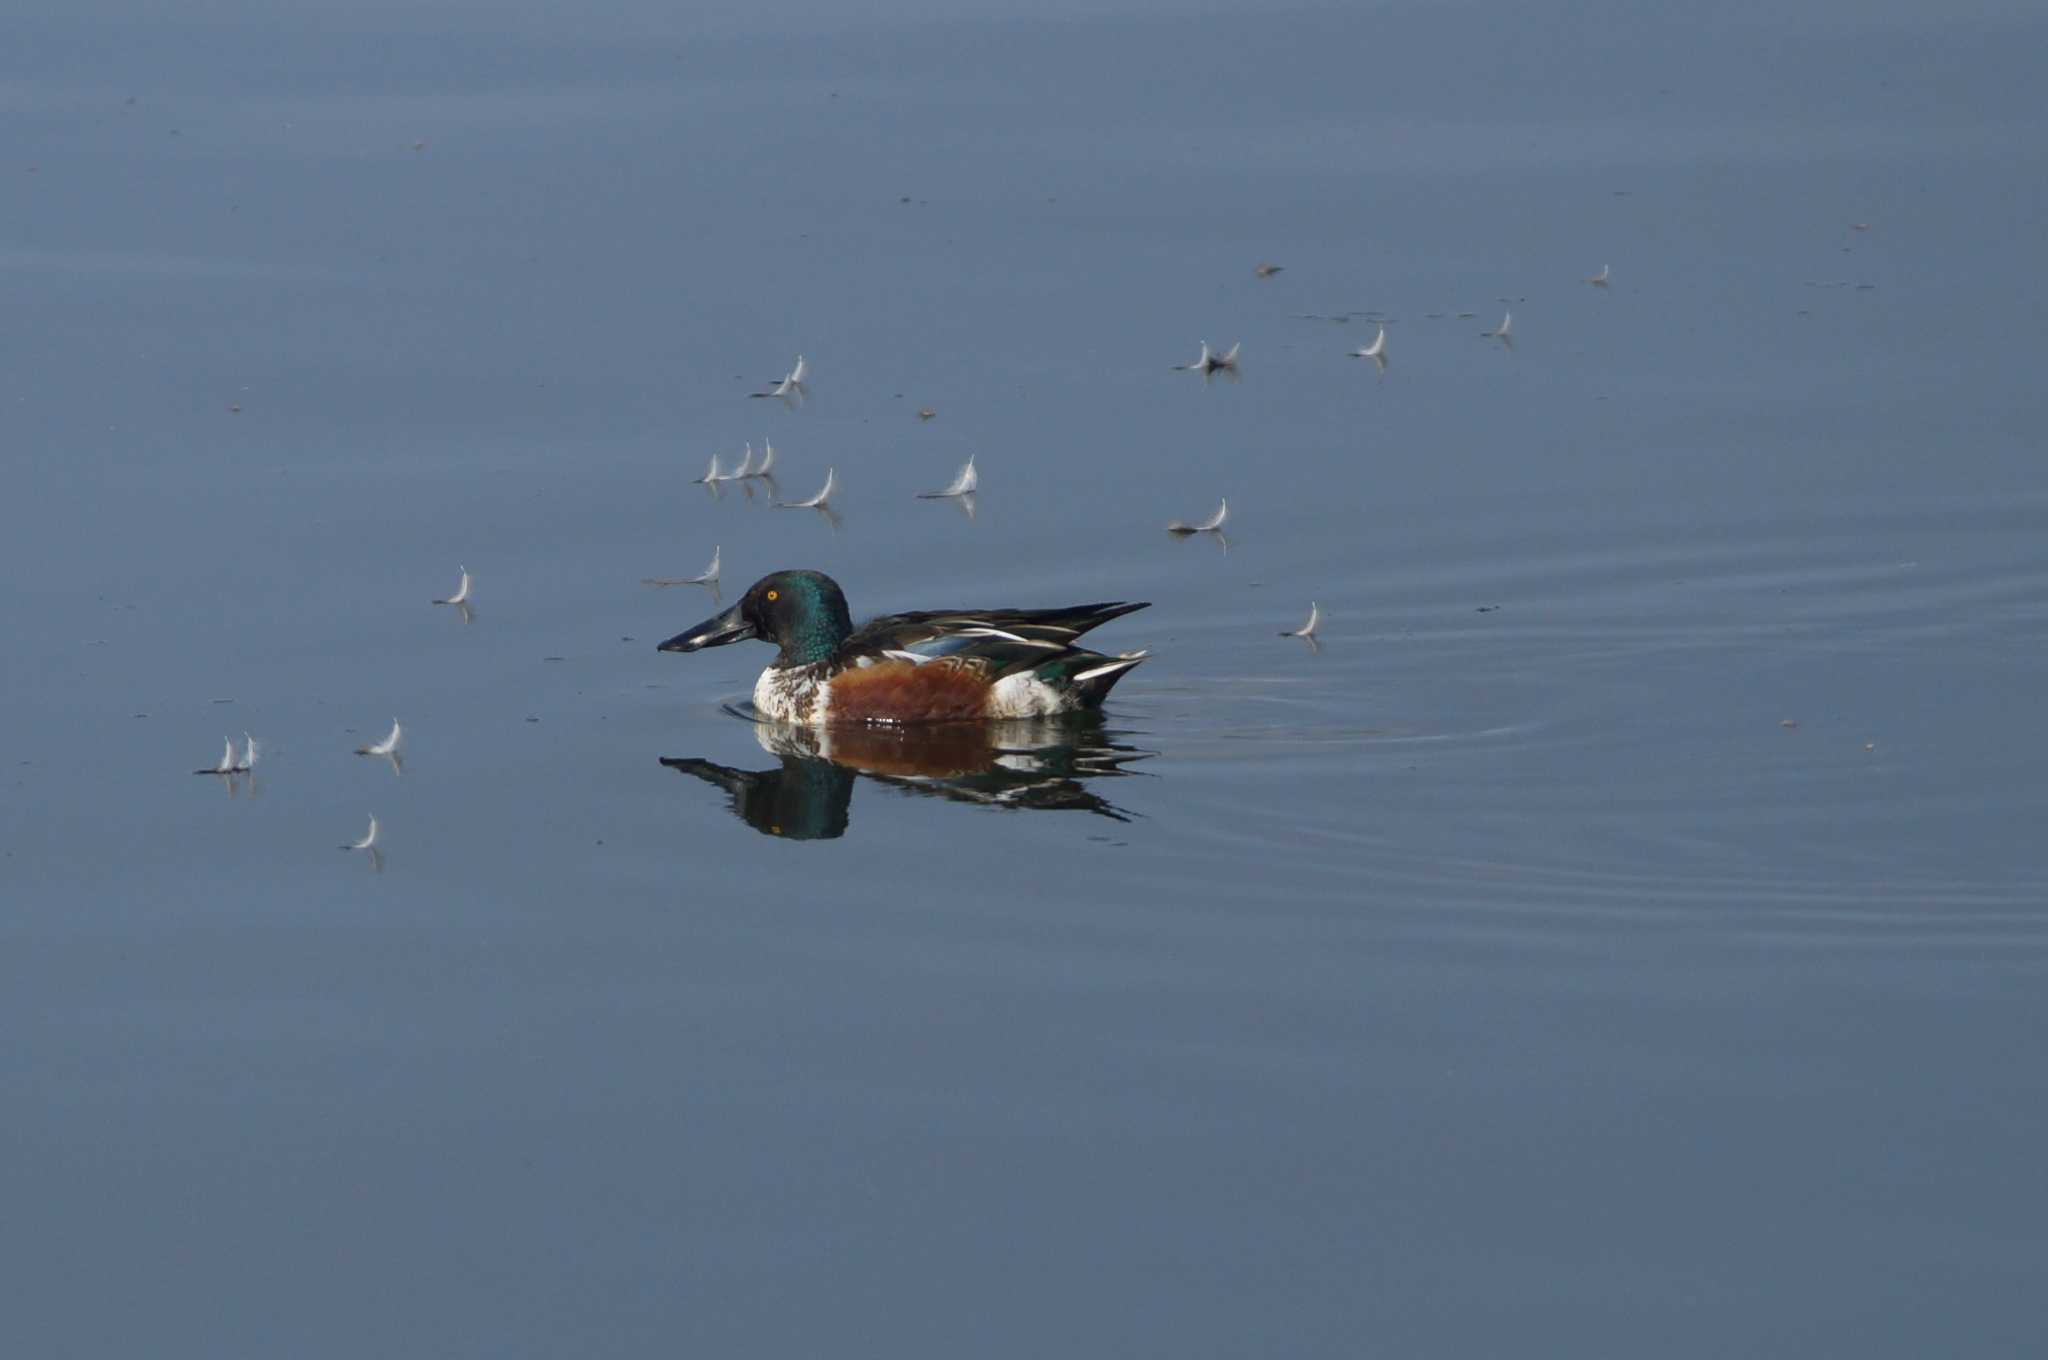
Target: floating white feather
{"x":963,"y":484}
{"x":791,"y":384}
{"x":386,"y":747}
{"x":1208,"y":361}
{"x":1209,"y":525}
{"x":1308,"y":630}
{"x":709,"y":576}
{"x":818,"y":502}
{"x":461,"y":595}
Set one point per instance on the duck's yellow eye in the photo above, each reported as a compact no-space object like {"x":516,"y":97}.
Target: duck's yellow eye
{"x":773,"y":595}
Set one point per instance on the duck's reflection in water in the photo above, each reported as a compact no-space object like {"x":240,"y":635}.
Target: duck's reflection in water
{"x":1038,"y":765}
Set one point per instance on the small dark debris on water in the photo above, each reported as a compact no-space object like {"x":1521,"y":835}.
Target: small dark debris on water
{"x":222,"y":701}
{"x":625,"y":639}
{"x":1788,"y":723}
{"x":1486,"y":609}
{"x":554,"y":658}
{"x":533,"y":720}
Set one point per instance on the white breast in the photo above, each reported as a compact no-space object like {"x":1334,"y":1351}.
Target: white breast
{"x":795,"y":695}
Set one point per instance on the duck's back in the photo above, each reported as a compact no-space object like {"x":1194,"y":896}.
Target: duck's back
{"x":941,"y":665}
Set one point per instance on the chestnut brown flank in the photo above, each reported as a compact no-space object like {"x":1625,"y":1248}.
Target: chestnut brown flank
{"x":902,"y":691}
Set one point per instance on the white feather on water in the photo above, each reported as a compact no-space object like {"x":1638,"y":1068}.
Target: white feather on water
{"x":820,"y":501}
{"x":963,"y":484}
{"x":1207,"y":526}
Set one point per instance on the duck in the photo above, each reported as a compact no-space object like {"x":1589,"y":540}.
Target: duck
{"x":930,"y":666}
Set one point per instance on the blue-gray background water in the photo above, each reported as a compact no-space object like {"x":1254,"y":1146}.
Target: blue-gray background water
{"x":1624,"y":937}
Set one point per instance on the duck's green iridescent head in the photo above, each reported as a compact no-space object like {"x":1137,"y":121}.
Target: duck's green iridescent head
{"x":802,"y":612}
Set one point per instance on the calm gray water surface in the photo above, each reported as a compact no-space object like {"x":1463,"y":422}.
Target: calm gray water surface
{"x":1507,"y":978}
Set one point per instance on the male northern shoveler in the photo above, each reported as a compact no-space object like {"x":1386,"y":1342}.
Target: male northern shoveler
{"x":933,"y":666}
